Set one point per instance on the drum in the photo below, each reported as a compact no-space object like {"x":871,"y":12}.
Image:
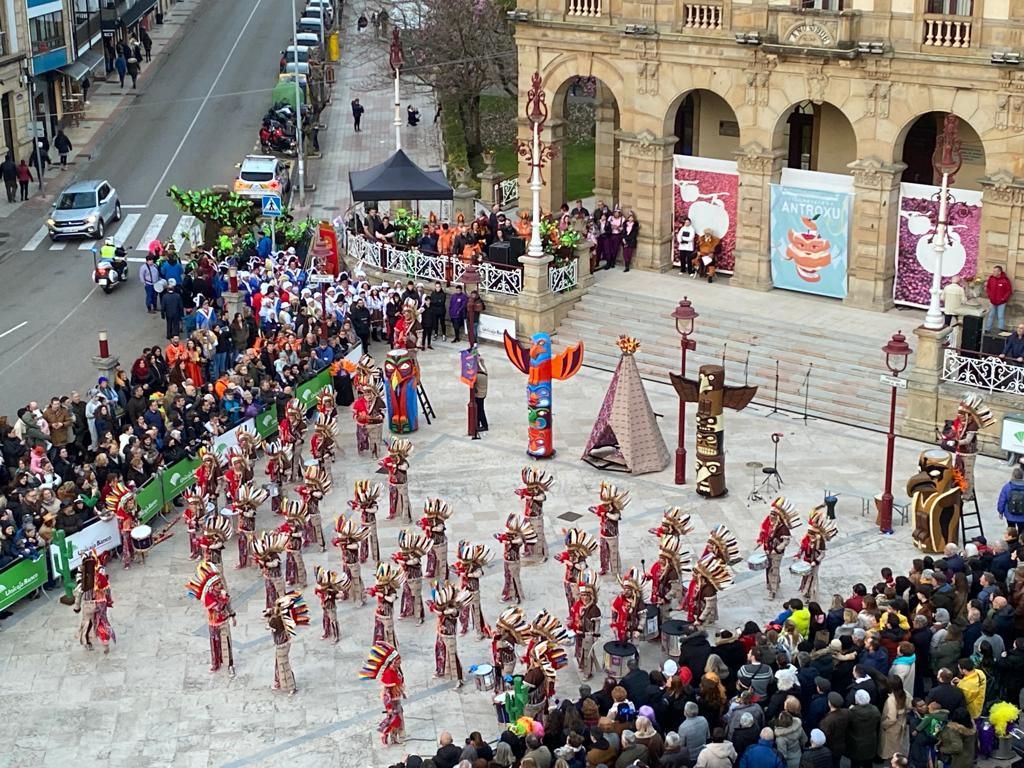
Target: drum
{"x":672,"y":636}
{"x":500,"y":710}
{"x":142,"y":538}
{"x":311,"y":463}
{"x":800,"y":568}
{"x":616,"y":655}
{"x":758,"y":561}
{"x":652,"y":624}
{"x":483,"y":674}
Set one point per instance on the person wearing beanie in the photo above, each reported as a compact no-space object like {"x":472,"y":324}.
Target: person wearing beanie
{"x":862,"y":731}
{"x":835,"y":725}
{"x":763,"y":753}
{"x":817,"y":755}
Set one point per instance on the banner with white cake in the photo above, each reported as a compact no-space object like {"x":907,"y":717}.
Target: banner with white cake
{"x":915,"y":250}
{"x":707,"y":192}
{"x":810,"y":232}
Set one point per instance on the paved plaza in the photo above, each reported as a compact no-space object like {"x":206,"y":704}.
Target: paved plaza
{"x":153,"y":702}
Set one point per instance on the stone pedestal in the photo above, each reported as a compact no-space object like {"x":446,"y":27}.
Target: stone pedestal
{"x":105,"y":365}
{"x":233,"y":302}
{"x":488,"y":178}
{"x":463,"y":198}
{"x":647,"y":190}
{"x":585,"y":275}
{"x":923,"y":381}
{"x":876,"y":227}
{"x":758,"y":169}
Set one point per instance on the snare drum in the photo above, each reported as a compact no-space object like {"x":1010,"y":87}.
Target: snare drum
{"x":615,"y":656}
{"x":672,"y":636}
{"x":800,"y":568}
{"x":500,"y":710}
{"x":652,"y":624}
{"x":483,"y":674}
{"x":142,"y":538}
{"x":758,"y":561}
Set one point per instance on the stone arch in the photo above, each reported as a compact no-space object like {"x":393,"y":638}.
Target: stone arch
{"x":915,"y":143}
{"x":697,"y":119}
{"x":560,"y":73}
{"x":815,"y":134}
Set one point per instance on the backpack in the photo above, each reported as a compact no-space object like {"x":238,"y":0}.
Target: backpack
{"x":624,"y":712}
{"x":1015,"y":503}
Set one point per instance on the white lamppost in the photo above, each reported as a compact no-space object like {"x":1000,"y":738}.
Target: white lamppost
{"x":946,"y":160}
{"x":395,"y":58}
{"x":536,"y":153}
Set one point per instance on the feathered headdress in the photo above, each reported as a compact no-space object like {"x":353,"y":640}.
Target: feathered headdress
{"x":436,"y":511}
{"x":713,"y":571}
{"x":294,"y":410}
{"x":517,"y":529}
{"x":546,"y":657}
{"x":248,"y":441}
{"x":974,"y":404}
{"x":278,"y":452}
{"x":269,"y":545}
{"x":249,"y":498}
{"x":449,"y":599}
{"x":237,"y":460}
{"x":90,"y":566}
{"x":588,"y":583}
{"x":121,"y":500}
{"x":671,"y":547}
{"x":723,"y":545}
{"x":820,"y":526}
{"x":579,"y":545}
{"x":326,"y":425}
{"x":195,"y":498}
{"x":536,"y":483}
{"x":383,"y":662}
{"x":349,"y":532}
{"x":365,"y":495}
{"x":330,"y":582}
{"x":548,"y":628}
{"x":367,"y":372}
{"x":784,"y":511}
{"x":296,"y":516}
{"x":325,"y":400}
{"x":513,"y":621}
{"x":634,"y":580}
{"x":400,"y":448}
{"x":472,"y":557}
{"x":288,"y":612}
{"x":317,"y":479}
{"x":388,"y":578}
{"x":216,"y":529}
{"x":613,"y":501}
{"x":674,"y":522}
{"x":412,"y":545}
{"x":204,"y":585}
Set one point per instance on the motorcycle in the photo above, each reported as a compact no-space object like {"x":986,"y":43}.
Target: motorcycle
{"x":108,"y":273}
{"x":273,"y":139}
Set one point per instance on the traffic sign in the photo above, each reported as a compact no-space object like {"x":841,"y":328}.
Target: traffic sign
{"x":893,"y":381}
{"x":271,"y":206}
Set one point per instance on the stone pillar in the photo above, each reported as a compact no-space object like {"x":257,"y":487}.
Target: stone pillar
{"x":488,"y":178}
{"x":553,"y":173}
{"x":647,"y":191}
{"x":758,"y":169}
{"x":463,"y":201}
{"x":536,"y":302}
{"x":1002,"y":237}
{"x":923,"y":380}
{"x":606,"y":166}
{"x":584,"y":275}
{"x":105,"y":365}
{"x":874,"y":233}
{"x":233,"y":303}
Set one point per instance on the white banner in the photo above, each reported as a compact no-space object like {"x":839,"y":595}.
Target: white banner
{"x":831,"y":182}
{"x":229,"y":440}
{"x":101,"y":535}
{"x":492,"y":328}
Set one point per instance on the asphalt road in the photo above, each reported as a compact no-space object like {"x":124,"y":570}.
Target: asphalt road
{"x":191,"y":125}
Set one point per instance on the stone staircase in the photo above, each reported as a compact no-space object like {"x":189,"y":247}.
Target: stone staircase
{"x":834,"y":372}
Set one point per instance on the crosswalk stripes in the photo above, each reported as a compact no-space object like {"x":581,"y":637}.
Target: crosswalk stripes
{"x":119,"y":237}
{"x":127,"y":233}
{"x":186,"y":227}
{"x":152,"y":231}
{"x":37,"y":238}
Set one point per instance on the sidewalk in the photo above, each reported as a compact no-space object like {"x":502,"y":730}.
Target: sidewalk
{"x":363,"y":73}
{"x":106,"y":100}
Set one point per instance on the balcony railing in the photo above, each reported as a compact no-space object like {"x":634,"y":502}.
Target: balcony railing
{"x":988,"y":372}
{"x":702,"y":16}
{"x":947,"y":32}
{"x":588,"y":8}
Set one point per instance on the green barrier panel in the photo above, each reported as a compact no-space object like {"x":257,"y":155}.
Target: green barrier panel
{"x":177,"y":478}
{"x":150,"y":499}
{"x":21,"y":579}
{"x":307,"y":392}
{"x":266,"y":423}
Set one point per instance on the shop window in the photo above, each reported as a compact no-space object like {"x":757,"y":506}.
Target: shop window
{"x":47,"y":32}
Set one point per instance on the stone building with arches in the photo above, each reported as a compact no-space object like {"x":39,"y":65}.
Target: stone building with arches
{"x":851,"y":87}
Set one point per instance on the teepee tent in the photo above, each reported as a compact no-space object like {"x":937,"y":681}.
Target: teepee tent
{"x":626,"y":437}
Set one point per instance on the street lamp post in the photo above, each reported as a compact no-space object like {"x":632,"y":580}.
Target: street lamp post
{"x":536,"y":153}
{"x":470,"y":281}
{"x":299,"y":149}
{"x":896,"y":353}
{"x":946,"y":160}
{"x":395,"y":58}
{"x":684,"y":315}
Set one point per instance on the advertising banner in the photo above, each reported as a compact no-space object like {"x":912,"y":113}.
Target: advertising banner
{"x":20,"y":579}
{"x":468,"y":366}
{"x":810,"y":235}
{"x":492,"y":328}
{"x":150,"y":499}
{"x":176,"y":478}
{"x":229,"y":440}
{"x":307,"y":391}
{"x":915,"y":252}
{"x":266,"y":423}
{"x":707,"y":192}
{"x":101,"y":535}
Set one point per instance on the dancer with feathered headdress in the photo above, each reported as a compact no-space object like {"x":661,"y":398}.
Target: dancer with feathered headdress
{"x":267,"y":549}
{"x":820,"y":531}
{"x":585,"y":622}
{"x":364,"y":501}
{"x":322,"y":443}
{"x":628,"y":605}
{"x":316,"y":484}
{"x":329,"y":584}
{"x":517,"y":534}
{"x":385,"y":664}
{"x":214,"y":533}
{"x":122,"y":505}
{"x":388,"y":582}
{"x":396,"y":464}
{"x":288,"y":613}
{"x":412,"y":547}
{"x":579,"y":545}
{"x":710,"y":576}
{"x":348,"y":535}
{"x":534,"y":493}
{"x":666,"y":575}
{"x":434,"y":523}
{"x":248,"y":498}
{"x":510,"y":630}
{"x":447,"y":604}
{"x":279,"y":461}
{"x":197,"y":506}
{"x":776,"y":531}
{"x":470,"y":567}
{"x":609,"y":513}
{"x":295,"y":527}
{"x":207,"y":586}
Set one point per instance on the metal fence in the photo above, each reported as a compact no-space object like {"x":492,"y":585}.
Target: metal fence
{"x":564,"y":278}
{"x":988,"y":372}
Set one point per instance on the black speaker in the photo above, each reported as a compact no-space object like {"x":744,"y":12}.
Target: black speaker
{"x":501,"y":253}
{"x":993,"y":344}
{"x":970,"y":336}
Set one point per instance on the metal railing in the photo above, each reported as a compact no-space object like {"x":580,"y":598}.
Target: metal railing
{"x":584,"y":8}
{"x":947,"y":32}
{"x":987,"y":372}
{"x":702,"y":16}
{"x":506,"y":192}
{"x":564,"y":278}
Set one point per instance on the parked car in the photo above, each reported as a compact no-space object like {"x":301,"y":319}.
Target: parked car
{"x":314,"y":12}
{"x":263,"y":175}
{"x":84,"y":209}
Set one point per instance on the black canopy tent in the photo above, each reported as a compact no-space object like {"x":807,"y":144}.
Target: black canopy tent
{"x":398,"y":178}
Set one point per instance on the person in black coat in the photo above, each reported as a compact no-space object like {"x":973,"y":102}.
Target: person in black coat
{"x":694,"y":653}
{"x":818,"y":707}
{"x":360,"y":317}
{"x":1010,"y":669}
{"x":635,"y":682}
{"x":174,"y":311}
{"x":630,"y":232}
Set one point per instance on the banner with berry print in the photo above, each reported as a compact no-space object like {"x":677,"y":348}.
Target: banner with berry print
{"x":810,"y":236}
{"x":706,"y":191}
{"x":915,"y":251}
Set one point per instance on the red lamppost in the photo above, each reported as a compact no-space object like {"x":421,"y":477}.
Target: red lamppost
{"x":896,"y":353}
{"x":470,"y":281}
{"x":684,"y":315}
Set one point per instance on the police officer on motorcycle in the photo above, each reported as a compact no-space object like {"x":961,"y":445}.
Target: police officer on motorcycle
{"x":117,"y":257}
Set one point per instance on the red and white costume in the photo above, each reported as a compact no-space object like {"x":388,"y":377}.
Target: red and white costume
{"x":384,"y":664}
{"x":208,"y":588}
{"x":628,"y":605}
{"x":121,"y":503}
{"x":534,"y":494}
{"x":609,"y":513}
{"x":579,"y":545}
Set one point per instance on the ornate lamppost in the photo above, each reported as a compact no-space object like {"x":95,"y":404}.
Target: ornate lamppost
{"x":946,"y":160}
{"x":684,"y":315}
{"x":897,"y":351}
{"x":396,"y":59}
{"x":536,"y":153}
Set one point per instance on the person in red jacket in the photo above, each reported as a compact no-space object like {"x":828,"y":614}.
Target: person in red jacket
{"x":999,"y":289}
{"x":24,"y":177}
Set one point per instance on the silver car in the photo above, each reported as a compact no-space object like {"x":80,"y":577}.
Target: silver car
{"x":84,"y":210}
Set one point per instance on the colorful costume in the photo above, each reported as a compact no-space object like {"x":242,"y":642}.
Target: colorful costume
{"x":296,"y":517}
{"x":291,"y":431}
{"x":609,"y":513}
{"x":412,"y":546}
{"x":579,"y":545}
{"x":348,"y":535}
{"x":396,"y":464}
{"x":248,"y":498}
{"x":510,"y":630}
{"x":518,"y":533}
{"x":628,"y":605}
{"x":197,"y":506}
{"x":401,"y":377}
{"x":435,"y":515}
{"x":208,"y":587}
{"x":540,"y":366}
{"x":387,"y":581}
{"x":288,"y":612}
{"x":544,"y":657}
{"x":820,"y":531}
{"x":935,"y":501}
{"x":961,"y":438}
{"x":279,"y":461}
{"x":408,"y":331}
{"x":208,"y":476}
{"x":368,"y":411}
{"x":213,"y":535}
{"x":316,"y":484}
{"x":666,"y":575}
{"x":121,"y":502}
{"x":267,"y":548}
{"x":776,"y":531}
{"x":364,"y":501}
{"x":723,"y":545}
{"x":92,"y":599}
{"x":248,"y":446}
{"x":470,"y":567}
{"x":712,"y":396}
{"x":534,"y":494}
{"x":585,"y":622}
{"x":447,"y":604}
{"x":328,"y":585}
{"x":710,"y":576}
{"x":384,"y":664}
{"x":235,"y":475}
{"x":674,"y":522}
{"x":322,"y":443}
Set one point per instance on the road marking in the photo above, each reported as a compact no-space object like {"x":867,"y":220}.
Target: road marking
{"x":58,"y":246}
{"x":152,"y":231}
{"x":186,"y":226}
{"x":136,"y":259}
{"x":205,"y":101}
{"x":127,"y":225}
{"x":37,"y":238}
{"x":132,"y":207}
{"x":22,"y":324}
{"x":46,"y":336}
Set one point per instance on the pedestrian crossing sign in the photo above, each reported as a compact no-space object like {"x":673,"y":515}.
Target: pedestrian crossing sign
{"x":272,"y":206}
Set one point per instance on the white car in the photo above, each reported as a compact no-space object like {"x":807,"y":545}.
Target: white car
{"x":263,"y":175}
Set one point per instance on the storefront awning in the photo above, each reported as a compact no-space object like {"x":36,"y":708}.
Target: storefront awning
{"x":136,"y":12}
{"x":83,"y":65}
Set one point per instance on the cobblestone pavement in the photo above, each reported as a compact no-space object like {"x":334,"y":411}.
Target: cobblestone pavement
{"x":153,"y":702}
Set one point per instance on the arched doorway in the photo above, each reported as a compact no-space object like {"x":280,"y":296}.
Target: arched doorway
{"x":816,"y":136}
{"x":590,"y":164}
{"x":705,"y":126}
{"x":919,"y":146}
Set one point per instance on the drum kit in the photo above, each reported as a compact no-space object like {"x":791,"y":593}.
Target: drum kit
{"x":483,"y":677}
{"x":652,"y":624}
